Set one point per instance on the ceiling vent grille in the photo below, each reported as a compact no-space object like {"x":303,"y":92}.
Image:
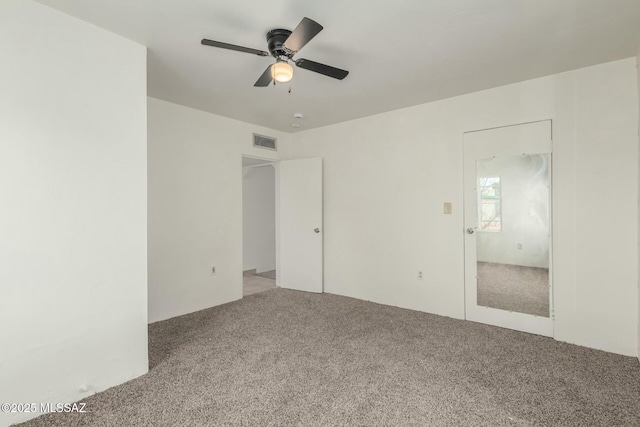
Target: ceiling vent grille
{"x":262,"y":141}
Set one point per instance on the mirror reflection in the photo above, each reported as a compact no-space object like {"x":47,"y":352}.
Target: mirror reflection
{"x":513,"y":233}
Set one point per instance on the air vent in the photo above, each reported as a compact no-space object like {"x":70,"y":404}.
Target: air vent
{"x":262,"y":141}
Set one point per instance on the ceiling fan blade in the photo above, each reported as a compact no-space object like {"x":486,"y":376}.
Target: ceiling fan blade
{"x":222,"y":45}
{"x":317,"y":67}
{"x":305,"y":31}
{"x":265,"y":79}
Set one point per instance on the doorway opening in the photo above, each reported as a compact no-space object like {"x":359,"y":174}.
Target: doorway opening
{"x":258,"y":225}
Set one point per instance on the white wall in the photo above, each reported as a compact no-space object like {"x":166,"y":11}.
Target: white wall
{"x":638,"y":72}
{"x":195,"y":207}
{"x":387,"y":176}
{"x":73,"y":261}
{"x":259,"y":218}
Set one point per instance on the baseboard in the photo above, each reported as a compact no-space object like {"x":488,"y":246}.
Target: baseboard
{"x":251,"y":272}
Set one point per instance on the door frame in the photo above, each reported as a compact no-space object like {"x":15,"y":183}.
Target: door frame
{"x":518,"y":321}
{"x":275,"y":163}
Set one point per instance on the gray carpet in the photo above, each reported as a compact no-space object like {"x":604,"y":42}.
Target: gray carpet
{"x":287,"y":358}
{"x":514,"y":288}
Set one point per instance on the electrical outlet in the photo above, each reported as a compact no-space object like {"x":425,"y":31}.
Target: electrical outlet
{"x":213,"y":271}
{"x":519,"y":245}
{"x":419,"y":275}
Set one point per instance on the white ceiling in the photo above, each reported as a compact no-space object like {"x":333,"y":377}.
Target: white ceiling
{"x":399,"y":53}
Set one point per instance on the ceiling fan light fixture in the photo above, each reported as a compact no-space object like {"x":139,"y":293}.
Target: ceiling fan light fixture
{"x":282,"y":72}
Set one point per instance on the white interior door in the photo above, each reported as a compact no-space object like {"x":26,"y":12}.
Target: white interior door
{"x":507,"y":212}
{"x":300,"y":224}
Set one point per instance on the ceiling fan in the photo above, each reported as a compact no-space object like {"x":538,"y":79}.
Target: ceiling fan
{"x":283,"y":45}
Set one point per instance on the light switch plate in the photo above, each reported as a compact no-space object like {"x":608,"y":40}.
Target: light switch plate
{"x":447,"y":208}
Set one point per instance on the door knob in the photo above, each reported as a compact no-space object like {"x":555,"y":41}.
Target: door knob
{"x":470,"y":230}
{"x":317,"y":230}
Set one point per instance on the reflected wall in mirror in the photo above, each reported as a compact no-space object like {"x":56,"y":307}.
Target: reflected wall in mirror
{"x":513,"y":233}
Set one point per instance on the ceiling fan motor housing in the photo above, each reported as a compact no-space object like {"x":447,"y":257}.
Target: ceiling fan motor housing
{"x":275,"y":42}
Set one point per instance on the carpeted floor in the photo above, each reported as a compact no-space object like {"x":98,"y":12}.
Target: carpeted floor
{"x":514,"y":288}
{"x":287,"y":358}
